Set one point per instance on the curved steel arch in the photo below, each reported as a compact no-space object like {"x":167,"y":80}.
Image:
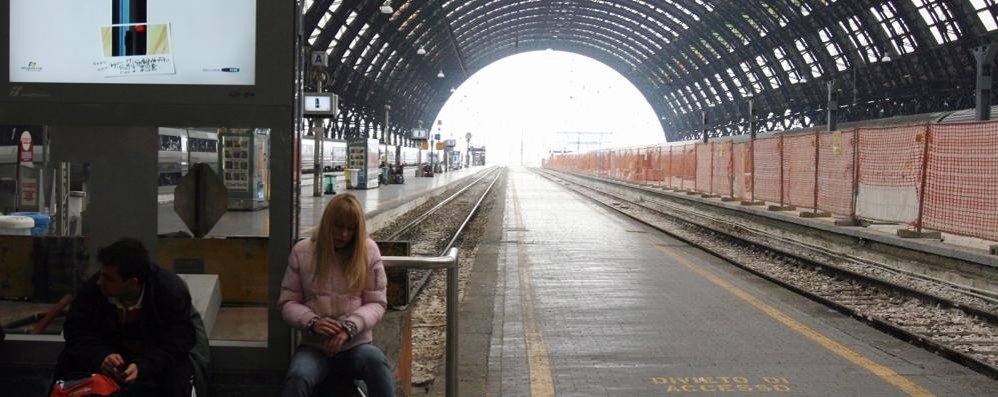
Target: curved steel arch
{"x":692,"y":52}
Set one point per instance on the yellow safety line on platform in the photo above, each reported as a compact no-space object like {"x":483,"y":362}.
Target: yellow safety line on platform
{"x":883,"y":372}
{"x":541,"y":384}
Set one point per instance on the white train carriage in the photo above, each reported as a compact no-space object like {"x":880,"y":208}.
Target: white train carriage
{"x":181,"y":148}
{"x":334,"y":155}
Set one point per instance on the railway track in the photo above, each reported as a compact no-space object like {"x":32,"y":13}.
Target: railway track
{"x":434,"y":231}
{"x":431,"y":229}
{"x":954,"y":321}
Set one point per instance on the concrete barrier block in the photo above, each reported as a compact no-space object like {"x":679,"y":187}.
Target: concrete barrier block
{"x":905,"y":233}
{"x":206,"y":296}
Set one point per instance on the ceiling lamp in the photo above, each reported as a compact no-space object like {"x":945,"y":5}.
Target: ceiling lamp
{"x":386,"y":8}
{"x":421,"y":51}
{"x":440,"y":75}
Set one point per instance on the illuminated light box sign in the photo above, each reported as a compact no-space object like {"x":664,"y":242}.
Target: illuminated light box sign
{"x":204,"y":42}
{"x":319,"y":104}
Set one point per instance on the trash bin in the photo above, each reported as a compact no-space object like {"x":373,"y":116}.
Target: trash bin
{"x":329,"y":184}
{"x":41,"y":222}
{"x":13,"y":225}
{"x":348,"y":175}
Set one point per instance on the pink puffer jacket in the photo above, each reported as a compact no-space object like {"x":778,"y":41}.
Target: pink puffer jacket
{"x":303,"y":298}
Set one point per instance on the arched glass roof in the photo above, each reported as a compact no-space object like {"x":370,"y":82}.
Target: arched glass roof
{"x":885,"y":57}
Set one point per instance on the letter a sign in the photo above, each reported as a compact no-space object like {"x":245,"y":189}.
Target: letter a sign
{"x":319,"y":58}
{"x":26,"y":151}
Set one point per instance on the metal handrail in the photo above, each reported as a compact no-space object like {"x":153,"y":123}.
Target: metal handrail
{"x":449,"y":262}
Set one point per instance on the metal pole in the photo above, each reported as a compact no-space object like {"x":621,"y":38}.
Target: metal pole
{"x":855,"y":174}
{"x":781,"y":171}
{"x":317,"y":159}
{"x":817,"y":164}
{"x":751,"y":116}
{"x":925,"y":172}
{"x":452,"y":306}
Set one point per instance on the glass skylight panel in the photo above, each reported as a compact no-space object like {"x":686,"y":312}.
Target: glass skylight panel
{"x":710,"y":86}
{"x":833,"y":49}
{"x":675,"y":20}
{"x":767,"y":71}
{"x":720,"y":39}
{"x":860,"y":38}
{"x":703,"y":94}
{"x":758,"y":28}
{"x":986,"y":12}
{"x":938,"y":16}
{"x":809,"y":58}
{"x":737,"y":82}
{"x":894,"y":27}
{"x":675,"y":4}
{"x":753,"y":84}
{"x":774,"y":14}
{"x":699,"y":55}
{"x":800,"y":6}
{"x":737,"y":33}
{"x":710,"y":48}
{"x":788,"y":67}
{"x":724,"y":87}
{"x":706,"y":6}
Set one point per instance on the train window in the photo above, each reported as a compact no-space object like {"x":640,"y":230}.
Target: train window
{"x":203,"y":145}
{"x":170,"y":143}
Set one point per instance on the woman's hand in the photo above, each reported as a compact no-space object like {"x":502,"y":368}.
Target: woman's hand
{"x":335,"y":343}
{"x":327,"y":327}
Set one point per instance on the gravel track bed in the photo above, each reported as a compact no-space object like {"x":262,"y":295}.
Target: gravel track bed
{"x":944,"y":325}
{"x":429,"y":322}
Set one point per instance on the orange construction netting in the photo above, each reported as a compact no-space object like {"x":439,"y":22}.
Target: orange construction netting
{"x":890,"y":172}
{"x":798,"y":170}
{"x":721,"y":179}
{"x":961,"y":189}
{"x":836,"y":172}
{"x":742,"y":168}
{"x":767,"y":169}
{"x":703,"y":172}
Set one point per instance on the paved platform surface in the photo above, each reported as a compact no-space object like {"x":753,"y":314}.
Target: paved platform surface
{"x":256,"y":223}
{"x":586,"y":302}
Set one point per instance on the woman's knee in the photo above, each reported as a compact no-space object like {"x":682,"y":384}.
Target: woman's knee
{"x":370,"y":356}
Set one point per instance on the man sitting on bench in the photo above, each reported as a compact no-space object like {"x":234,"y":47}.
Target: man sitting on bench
{"x":133,"y":322}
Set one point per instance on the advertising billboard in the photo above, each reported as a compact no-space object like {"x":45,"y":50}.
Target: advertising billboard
{"x":182,"y":42}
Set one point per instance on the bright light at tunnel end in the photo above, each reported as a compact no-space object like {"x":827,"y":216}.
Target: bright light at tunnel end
{"x":529,"y":106}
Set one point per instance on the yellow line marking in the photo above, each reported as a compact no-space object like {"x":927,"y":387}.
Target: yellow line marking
{"x":883,"y":372}
{"x":541,"y":384}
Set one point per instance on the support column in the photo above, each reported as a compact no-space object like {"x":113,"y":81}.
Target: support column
{"x":751,"y":128}
{"x":833,"y":106}
{"x":985,"y":63}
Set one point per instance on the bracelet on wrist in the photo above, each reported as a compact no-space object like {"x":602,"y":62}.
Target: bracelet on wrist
{"x":351,"y":329}
{"x":311,"y":323}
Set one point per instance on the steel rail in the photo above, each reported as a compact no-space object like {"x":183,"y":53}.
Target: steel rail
{"x":415,"y":222}
{"x":423,"y":280}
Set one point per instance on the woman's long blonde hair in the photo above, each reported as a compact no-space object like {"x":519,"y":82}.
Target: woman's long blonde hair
{"x":353,"y":257}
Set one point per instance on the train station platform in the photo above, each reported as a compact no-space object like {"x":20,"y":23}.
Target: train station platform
{"x":375,"y":201}
{"x":570,"y":298}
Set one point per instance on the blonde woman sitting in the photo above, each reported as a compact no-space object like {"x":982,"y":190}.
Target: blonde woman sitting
{"x":334,"y":291}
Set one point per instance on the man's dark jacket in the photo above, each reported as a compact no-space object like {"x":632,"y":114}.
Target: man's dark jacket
{"x":165,"y":322}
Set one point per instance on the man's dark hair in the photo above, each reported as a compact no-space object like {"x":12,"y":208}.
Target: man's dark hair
{"x":129,"y":256}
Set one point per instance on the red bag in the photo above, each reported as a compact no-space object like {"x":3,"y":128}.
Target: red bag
{"x":95,"y":385}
